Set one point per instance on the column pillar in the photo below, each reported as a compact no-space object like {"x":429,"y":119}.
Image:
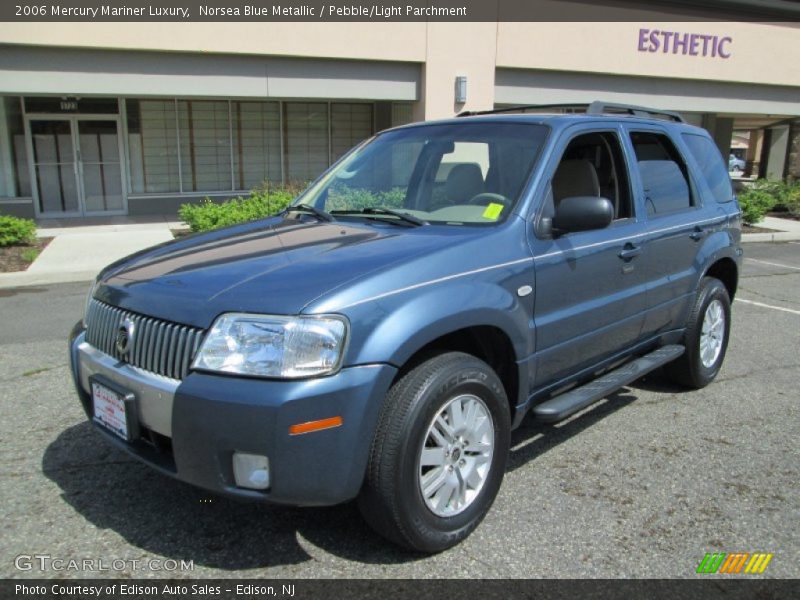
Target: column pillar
{"x":7,"y":187}
{"x":457,"y":49}
{"x":776,"y":152}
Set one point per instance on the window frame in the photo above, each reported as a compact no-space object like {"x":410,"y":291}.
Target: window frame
{"x":695,"y":197}
{"x":704,"y":183}
{"x":557,"y":154}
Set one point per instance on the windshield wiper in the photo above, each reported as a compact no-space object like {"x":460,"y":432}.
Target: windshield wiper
{"x":312,"y":210}
{"x":380,"y":210}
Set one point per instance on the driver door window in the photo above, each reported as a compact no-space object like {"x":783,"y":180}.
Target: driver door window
{"x":592,"y":165}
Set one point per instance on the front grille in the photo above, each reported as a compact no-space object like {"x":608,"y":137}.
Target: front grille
{"x":160,"y":347}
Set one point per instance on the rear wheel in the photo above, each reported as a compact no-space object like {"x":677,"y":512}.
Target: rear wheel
{"x":706,"y":336}
{"x":439,"y":453}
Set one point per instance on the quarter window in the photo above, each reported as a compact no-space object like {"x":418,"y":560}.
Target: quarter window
{"x":664,"y":175}
{"x":711,"y":164}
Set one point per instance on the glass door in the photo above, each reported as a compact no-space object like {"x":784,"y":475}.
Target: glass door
{"x":55,"y":168}
{"x":100,"y":168}
{"x":77,"y":166}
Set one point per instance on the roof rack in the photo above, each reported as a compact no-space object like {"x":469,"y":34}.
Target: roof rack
{"x":596,"y":108}
{"x":601,"y":108}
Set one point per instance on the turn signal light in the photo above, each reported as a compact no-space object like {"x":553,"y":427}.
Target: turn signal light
{"x":310,"y":426}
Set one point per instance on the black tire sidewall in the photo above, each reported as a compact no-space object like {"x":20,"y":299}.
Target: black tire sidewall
{"x":713,"y":289}
{"x":429,"y":530}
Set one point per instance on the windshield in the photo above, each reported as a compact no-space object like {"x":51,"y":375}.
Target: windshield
{"x":455,"y":174}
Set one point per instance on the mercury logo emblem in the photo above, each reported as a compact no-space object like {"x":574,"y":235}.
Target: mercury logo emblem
{"x":125,"y":336}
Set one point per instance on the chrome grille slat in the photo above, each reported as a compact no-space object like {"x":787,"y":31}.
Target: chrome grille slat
{"x":106,"y":319}
{"x":142,"y":343}
{"x":137,"y":348}
{"x":161,"y":336}
{"x":164,"y":347}
{"x":173,"y":348}
{"x":151,"y":344}
{"x":177,"y":365}
{"x":161,"y":347}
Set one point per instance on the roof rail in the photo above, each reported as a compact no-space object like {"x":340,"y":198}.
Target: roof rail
{"x":601,"y":108}
{"x":596,"y":108}
{"x":472,"y":113}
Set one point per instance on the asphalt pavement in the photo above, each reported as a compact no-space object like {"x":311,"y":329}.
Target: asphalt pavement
{"x":641,"y":485}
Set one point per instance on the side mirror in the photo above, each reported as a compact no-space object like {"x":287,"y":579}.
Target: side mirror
{"x":582,"y":213}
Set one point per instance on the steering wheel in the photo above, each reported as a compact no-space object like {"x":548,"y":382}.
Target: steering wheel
{"x":486,"y":198}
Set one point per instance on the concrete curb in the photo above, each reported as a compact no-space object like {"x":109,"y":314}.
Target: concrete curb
{"x":782,"y":230}
{"x":778,"y":236}
{"x":27,"y":279}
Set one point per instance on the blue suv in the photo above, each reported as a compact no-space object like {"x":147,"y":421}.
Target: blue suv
{"x":382,"y":337}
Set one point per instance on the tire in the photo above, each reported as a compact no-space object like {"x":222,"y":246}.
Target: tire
{"x":699,"y":365}
{"x":392,"y":500}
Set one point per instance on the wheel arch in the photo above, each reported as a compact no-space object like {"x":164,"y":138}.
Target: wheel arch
{"x":480,"y":318}
{"x":489,"y":343}
{"x":727,"y":271}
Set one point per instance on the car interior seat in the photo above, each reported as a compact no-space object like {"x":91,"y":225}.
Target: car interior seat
{"x":464,"y":181}
{"x":575,"y":178}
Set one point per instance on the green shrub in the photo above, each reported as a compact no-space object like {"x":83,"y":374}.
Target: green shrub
{"x":790,"y":198}
{"x":30,"y":254}
{"x":346,"y":198}
{"x":267,"y":200}
{"x":755,"y":203}
{"x":262,"y":202}
{"x":16,"y":232}
{"x":765,"y":195}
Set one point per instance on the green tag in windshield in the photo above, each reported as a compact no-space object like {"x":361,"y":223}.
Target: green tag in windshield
{"x":493,"y":211}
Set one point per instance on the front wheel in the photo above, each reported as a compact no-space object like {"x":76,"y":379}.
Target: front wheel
{"x":439,"y":453}
{"x":706,"y":336}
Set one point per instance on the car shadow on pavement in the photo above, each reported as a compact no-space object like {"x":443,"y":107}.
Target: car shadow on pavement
{"x":534,"y":438}
{"x":165,"y":517}
{"x":168,"y":518}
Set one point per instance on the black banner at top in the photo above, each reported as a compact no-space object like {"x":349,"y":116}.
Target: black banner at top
{"x":397,"y":11}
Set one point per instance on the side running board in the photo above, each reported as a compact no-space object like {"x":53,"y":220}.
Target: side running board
{"x":568,"y":403}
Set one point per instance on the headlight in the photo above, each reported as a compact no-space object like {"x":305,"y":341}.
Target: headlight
{"x":273,"y":346}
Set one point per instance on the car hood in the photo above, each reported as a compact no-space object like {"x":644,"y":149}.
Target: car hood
{"x":273,"y":267}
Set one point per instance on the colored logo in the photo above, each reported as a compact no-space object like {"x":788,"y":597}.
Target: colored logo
{"x":734,"y":563}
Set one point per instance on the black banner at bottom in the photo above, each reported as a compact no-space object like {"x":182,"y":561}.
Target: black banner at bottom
{"x":420,"y":589}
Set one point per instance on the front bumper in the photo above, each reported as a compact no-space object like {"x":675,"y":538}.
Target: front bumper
{"x":191,"y":428}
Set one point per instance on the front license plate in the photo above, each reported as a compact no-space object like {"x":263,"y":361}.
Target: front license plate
{"x":110,"y":410}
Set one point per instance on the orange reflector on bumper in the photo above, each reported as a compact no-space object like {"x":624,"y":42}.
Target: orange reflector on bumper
{"x":315,"y":425}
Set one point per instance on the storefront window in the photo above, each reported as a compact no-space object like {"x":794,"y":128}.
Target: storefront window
{"x":351,"y":124}
{"x":402,"y":113}
{"x":185,"y":146}
{"x":205,"y":144}
{"x":19,"y":156}
{"x":256,"y":143}
{"x":306,"y":143}
{"x":152,"y":146}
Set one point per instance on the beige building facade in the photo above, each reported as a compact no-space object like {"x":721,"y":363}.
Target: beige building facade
{"x":136,"y":118}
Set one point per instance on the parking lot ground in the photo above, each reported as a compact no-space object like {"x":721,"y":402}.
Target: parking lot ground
{"x":642,"y":485}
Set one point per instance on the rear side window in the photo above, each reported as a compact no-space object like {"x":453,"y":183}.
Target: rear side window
{"x":663,"y":172}
{"x":712,"y":166}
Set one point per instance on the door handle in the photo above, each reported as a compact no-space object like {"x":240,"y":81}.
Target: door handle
{"x":630,"y":251}
{"x":698,"y":234}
